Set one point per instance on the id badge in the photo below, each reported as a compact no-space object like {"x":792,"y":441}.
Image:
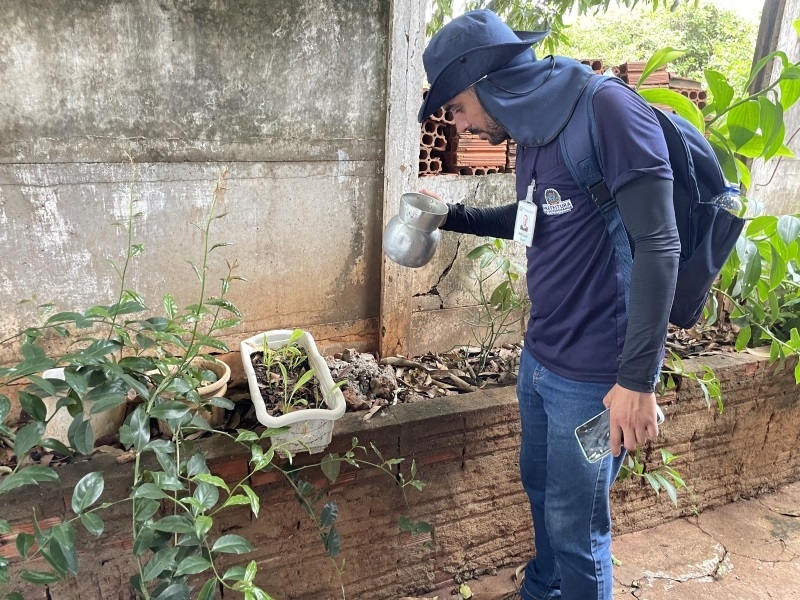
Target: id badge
{"x":526,"y":219}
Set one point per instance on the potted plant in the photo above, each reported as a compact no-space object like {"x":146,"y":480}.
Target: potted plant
{"x":291,"y":387}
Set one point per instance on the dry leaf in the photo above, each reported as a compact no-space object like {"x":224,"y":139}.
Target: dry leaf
{"x":372,"y":411}
{"x":126,"y":457}
{"x":110,"y":450}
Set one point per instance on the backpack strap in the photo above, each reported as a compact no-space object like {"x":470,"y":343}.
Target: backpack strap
{"x":581,"y":157}
{"x":580,"y":150}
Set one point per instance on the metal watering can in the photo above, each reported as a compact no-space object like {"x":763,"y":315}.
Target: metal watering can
{"x":412,"y":236}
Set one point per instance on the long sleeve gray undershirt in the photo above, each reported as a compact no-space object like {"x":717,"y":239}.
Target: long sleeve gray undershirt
{"x":645,"y":205}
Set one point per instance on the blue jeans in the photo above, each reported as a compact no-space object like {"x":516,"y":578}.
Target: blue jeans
{"x":568,"y":495}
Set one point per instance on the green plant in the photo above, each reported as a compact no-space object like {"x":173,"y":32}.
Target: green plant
{"x":663,"y":477}
{"x":119,"y":352}
{"x":281,"y":364}
{"x":501,"y":309}
{"x":674,"y":370}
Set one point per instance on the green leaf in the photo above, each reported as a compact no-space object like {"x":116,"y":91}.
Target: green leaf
{"x":245,"y":435}
{"x":330,"y":466}
{"x":332,"y":542}
{"x":236,"y":500}
{"x":174,"y":524}
{"x":772,"y":127}
{"x":140,"y":428}
{"x":790,"y":92}
{"x":192,"y":565}
{"x":5,"y":527}
{"x":678,"y":102}
{"x":80,"y":435}
{"x":255,"y":503}
{"x":170,"y":307}
{"x":413,"y":527}
{"x":24,"y":543}
{"x":145,"y":508}
{"x":479,"y":251}
{"x":28,"y":437}
{"x":658,"y":60}
{"x":175,"y":591}
{"x":726,"y":161}
{"x":232,"y":544}
{"x":208,"y":591}
{"x":5,"y":407}
{"x":213,"y":480}
{"x":87,"y":491}
{"x":720,"y":89}
{"x":62,"y":557}
{"x":40,"y":577}
{"x":202,"y":525}
{"x":763,"y":62}
{"x":237,"y":573}
{"x":206,"y":494}
{"x":328,"y":516}
{"x":170,"y":410}
{"x":743,"y":121}
{"x":27,"y":476}
{"x":743,"y":338}
{"x":160,"y":561}
{"x":33,"y":406}
{"x":149,"y":490}
{"x":778,"y":269}
{"x":788,"y":228}
{"x":93,"y":523}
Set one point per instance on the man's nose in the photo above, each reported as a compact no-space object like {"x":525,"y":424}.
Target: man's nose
{"x":461,"y":123}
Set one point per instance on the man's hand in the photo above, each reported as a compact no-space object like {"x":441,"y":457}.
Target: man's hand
{"x":432,"y":195}
{"x":633,"y":418}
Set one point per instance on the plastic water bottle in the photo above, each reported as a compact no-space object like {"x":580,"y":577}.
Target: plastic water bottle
{"x":729,"y":200}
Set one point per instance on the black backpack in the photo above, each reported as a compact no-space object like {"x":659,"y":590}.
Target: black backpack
{"x":708,"y":233}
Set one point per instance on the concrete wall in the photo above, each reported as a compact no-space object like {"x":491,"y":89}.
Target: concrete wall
{"x":777,"y":182}
{"x":289,"y":95}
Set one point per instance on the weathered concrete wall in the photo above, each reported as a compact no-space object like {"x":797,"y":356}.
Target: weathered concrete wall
{"x":777,"y":182}
{"x":467,"y":448}
{"x":444,"y":289}
{"x":289,"y":96}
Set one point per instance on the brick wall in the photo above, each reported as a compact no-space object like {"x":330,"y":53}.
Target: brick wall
{"x":466,"y":447}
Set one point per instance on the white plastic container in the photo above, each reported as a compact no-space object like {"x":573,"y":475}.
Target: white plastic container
{"x":310,"y":429}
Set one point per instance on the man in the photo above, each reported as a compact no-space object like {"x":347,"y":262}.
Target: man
{"x":597,"y":326}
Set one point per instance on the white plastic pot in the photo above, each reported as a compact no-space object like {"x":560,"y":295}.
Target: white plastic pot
{"x":104,"y":424}
{"x":309,"y":428}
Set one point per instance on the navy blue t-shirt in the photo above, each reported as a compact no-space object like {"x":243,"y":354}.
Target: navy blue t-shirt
{"x":578,"y":319}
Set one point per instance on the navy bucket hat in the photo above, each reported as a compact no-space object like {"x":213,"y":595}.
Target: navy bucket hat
{"x":467,"y":49}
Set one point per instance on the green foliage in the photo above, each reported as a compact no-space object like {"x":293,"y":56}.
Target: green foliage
{"x":501,"y":310}
{"x":663,"y":477}
{"x":759,"y":287}
{"x":282,"y":361}
{"x":120,"y":352}
{"x":713,"y":38}
{"x":532,"y":15}
{"x":740,"y":123}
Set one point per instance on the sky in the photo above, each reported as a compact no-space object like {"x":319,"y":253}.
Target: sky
{"x":746,"y":8}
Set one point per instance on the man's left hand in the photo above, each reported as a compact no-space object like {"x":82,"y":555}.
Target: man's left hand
{"x":634,"y":418}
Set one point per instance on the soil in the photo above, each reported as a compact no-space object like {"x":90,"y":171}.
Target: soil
{"x":272,"y":386}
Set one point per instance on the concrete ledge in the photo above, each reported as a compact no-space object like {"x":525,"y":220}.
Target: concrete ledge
{"x":466,"y":448}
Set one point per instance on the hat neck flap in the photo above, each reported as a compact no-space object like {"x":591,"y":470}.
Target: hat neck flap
{"x":533,"y":99}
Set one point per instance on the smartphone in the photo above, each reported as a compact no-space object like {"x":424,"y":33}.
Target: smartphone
{"x":594,"y":436}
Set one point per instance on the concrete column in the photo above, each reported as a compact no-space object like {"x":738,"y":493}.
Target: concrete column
{"x":405,"y":80}
{"x":777,"y":182}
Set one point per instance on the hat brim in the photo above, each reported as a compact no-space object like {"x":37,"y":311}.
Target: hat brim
{"x":470,"y":67}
